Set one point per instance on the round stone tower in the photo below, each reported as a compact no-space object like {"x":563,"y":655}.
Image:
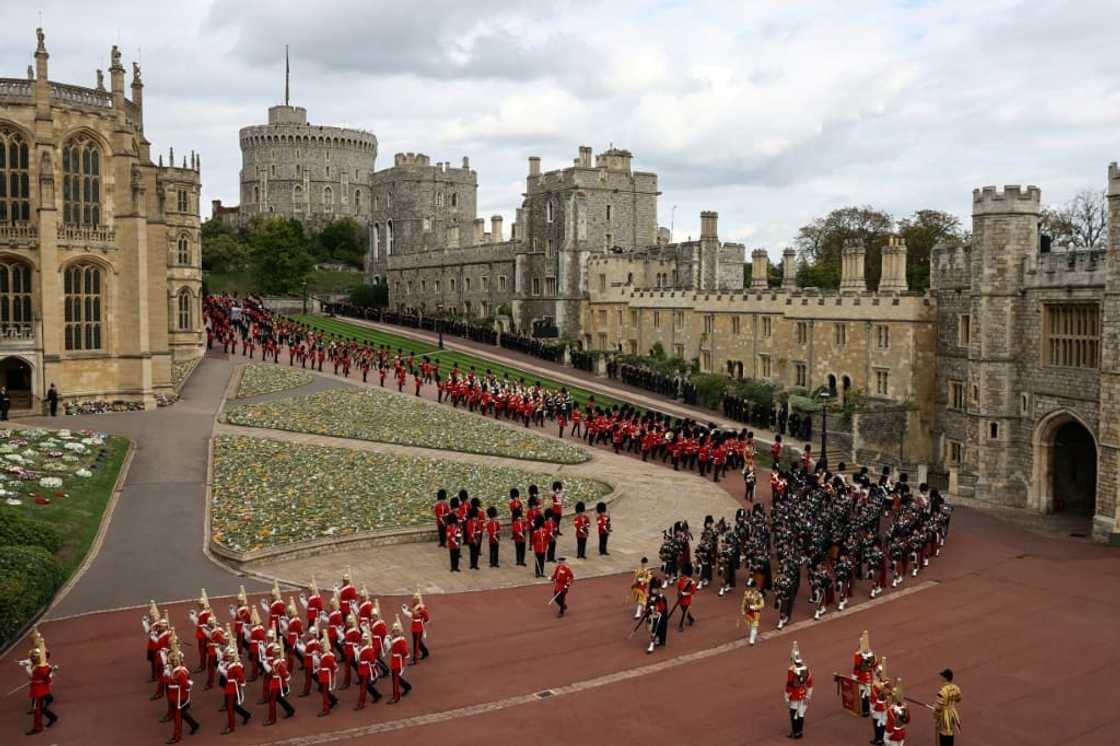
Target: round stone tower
{"x":315,"y":173}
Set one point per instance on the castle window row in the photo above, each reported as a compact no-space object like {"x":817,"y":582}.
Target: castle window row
{"x":329,"y":142}
{"x":15,"y":201}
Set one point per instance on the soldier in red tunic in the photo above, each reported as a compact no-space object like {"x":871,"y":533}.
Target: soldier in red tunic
{"x":313,"y":603}
{"x":199,"y":618}
{"x":179,"y":692}
{"x":40,"y":673}
{"x":215,"y":643}
{"x":440,"y":510}
{"x":398,"y":654}
{"x":278,"y":683}
{"x":799,"y":690}
{"x":562,"y":579}
{"x":310,"y":649}
{"x":233,"y":673}
{"x":327,"y":669}
{"x":583,"y":529}
{"x":540,"y":545}
{"x":863,"y":666}
{"x":274,"y":608}
{"x":604,"y":522}
{"x":880,"y":701}
{"x":421,"y":618}
{"x":898,"y":717}
{"x":686,"y":589}
{"x":454,"y":537}
{"x":367,"y":672}
{"x":351,"y":641}
{"x":292,"y":626}
{"x":242,"y":619}
{"x":347,"y":593}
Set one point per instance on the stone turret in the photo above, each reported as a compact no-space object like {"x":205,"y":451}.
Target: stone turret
{"x":709,"y":225}
{"x":893,"y":277}
{"x":852,"y":258}
{"x":534,"y":165}
{"x":760,"y":261}
{"x":496,"y":228}
{"x":789,"y":268}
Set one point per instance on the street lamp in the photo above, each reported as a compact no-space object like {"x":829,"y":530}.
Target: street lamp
{"x":823,"y":461}
{"x":439,"y":330}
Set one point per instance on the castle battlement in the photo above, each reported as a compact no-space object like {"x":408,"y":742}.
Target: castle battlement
{"x":1012,"y":200}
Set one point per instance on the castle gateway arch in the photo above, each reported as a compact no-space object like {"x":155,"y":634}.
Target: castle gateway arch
{"x":1065,"y":465}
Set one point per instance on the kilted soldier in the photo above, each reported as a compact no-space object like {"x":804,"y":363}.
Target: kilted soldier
{"x":844,"y":570}
{"x":751,"y":610}
{"x":799,"y":690}
{"x":820,"y":589}
{"x":657,"y":616}
{"x":785,"y":589}
{"x":876,"y":563}
{"x":728,"y":561}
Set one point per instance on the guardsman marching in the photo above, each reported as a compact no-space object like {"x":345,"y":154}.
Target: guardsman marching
{"x":200,"y":618}
{"x":328,"y":666}
{"x":898,"y":716}
{"x":278,"y":682}
{"x":274,"y":608}
{"x":347,"y":594}
{"x":313,"y":603}
{"x":242,"y":620}
{"x":686,"y":589}
{"x":398,"y":654}
{"x":583,"y":529}
{"x":657,"y":616}
{"x":257,"y":638}
{"x":751,"y":610}
{"x":156,"y":629}
{"x":311,"y":650}
{"x":40,"y":673}
{"x":945,"y":715}
{"x":880,"y":701}
{"x":863,"y":666}
{"x":420,"y":617}
{"x":367,"y":672}
{"x":351,"y":641}
{"x":234,"y":675}
{"x":562,"y":579}
{"x":215,"y":643}
{"x":179,"y":692}
{"x":799,"y":690}
{"x":292,"y":626}
{"x":639,"y":589}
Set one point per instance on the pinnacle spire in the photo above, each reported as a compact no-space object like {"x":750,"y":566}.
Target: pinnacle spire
{"x":287,"y":75}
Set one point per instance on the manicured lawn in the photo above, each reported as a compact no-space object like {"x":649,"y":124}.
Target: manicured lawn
{"x":260,"y":378}
{"x":76,"y":513}
{"x":320,"y":281}
{"x":446,"y":358}
{"x":269,"y":493}
{"x":375,"y":415}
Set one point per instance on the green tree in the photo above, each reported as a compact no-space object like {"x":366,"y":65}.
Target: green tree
{"x":281,"y":261}
{"x":820,"y":242}
{"x":223,"y":249}
{"x":923,"y":231}
{"x":341,"y":241}
{"x":1082,"y":222}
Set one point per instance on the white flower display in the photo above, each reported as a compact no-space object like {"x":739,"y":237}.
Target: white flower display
{"x":75,"y":447}
{"x":84,"y":473}
{"x":50,"y":483}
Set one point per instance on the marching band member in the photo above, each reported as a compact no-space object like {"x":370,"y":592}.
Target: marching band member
{"x":165,"y":674}
{"x":420,"y":619}
{"x":313,"y":603}
{"x":151,"y":624}
{"x":351,"y":641}
{"x":215,"y":643}
{"x":751,"y":610}
{"x":639,"y":589}
{"x":379,"y":632}
{"x":863,"y":665}
{"x":880,"y":701}
{"x":234,"y":674}
{"x":365,"y":608}
{"x":657,"y":616}
{"x":686,"y":589}
{"x":398,"y":654}
{"x":898,"y":716}
{"x":179,"y":691}
{"x":327,"y":669}
{"x":945,"y":714}
{"x":40,"y":673}
{"x":799,"y":690}
{"x":199,"y":619}
{"x":367,"y":672}
{"x":292,"y":626}
{"x":275,"y":609}
{"x":265,"y":653}
{"x":335,"y":625}
{"x":278,"y":684}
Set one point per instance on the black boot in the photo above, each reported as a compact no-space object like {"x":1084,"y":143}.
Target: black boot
{"x":792,"y":723}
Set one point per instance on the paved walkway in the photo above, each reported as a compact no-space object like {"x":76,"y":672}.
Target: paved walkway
{"x":153,"y":547}
{"x":653,"y":498}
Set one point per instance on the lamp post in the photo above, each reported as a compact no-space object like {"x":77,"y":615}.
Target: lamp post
{"x":439,"y":330}
{"x":305,"y":297}
{"x":823,"y":461}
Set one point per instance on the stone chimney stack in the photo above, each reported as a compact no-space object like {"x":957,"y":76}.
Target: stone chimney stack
{"x":852,"y":257}
{"x":496,"y":228}
{"x":479,"y":230}
{"x":466,"y":163}
{"x":708,"y":225}
{"x":584,"y":160}
{"x":760,"y":262}
{"x":893,"y":277}
{"x":534,"y":165}
{"x":789,"y":268}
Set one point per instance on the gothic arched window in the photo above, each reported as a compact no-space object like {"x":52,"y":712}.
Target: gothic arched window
{"x":81,"y":182}
{"x":15,"y":293}
{"x":297,"y":197}
{"x":389,"y":238}
{"x":15,"y":205}
{"x":82,"y":296}
{"x":184,"y":310}
{"x":328,"y":199}
{"x":183,"y":256}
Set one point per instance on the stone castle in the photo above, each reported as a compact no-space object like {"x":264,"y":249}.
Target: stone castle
{"x":100,"y":262}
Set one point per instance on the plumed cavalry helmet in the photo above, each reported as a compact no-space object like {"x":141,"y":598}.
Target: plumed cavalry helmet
{"x":326,"y":642}
{"x":417,"y":597}
{"x":203,"y":600}
{"x":865,"y":644}
{"x":346,"y":575}
{"x":364,"y":593}
{"x":293,"y":610}
{"x":243,"y":597}
{"x":795,"y":654}
{"x":376,"y":609}
{"x":276,"y":590}
{"x":254,"y":616}
{"x":314,"y":587}
{"x":397,"y":624}
{"x":881,"y":669}
{"x":899,"y":699}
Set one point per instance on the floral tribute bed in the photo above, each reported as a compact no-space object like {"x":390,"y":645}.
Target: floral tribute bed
{"x":267,"y":493}
{"x":38,"y":465}
{"x":258,"y":379}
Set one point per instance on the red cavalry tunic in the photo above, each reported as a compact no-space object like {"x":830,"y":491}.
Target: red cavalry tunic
{"x":685,"y":589}
{"x":40,"y":681}
{"x":398,"y":653}
{"x":795,"y":687}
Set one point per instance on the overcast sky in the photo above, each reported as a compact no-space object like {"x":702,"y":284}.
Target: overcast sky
{"x":770,"y":113}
